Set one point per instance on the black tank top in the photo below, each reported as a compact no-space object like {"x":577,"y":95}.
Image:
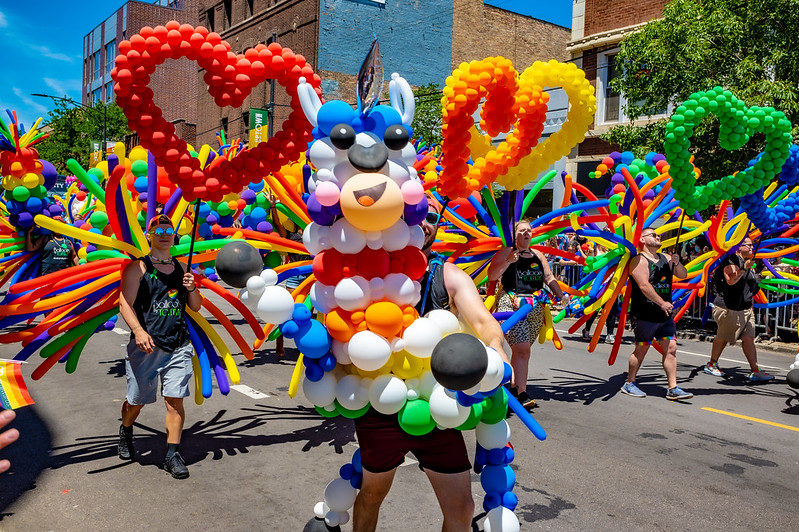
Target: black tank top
{"x":160,"y":304}
{"x":660,"y":274}
{"x":56,"y":255}
{"x":434,"y":292}
{"x":525,"y":276}
{"x":740,"y":295}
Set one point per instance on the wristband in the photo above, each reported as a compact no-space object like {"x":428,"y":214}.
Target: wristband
{"x":190,"y":291}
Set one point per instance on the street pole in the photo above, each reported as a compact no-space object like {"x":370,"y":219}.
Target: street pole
{"x":271,"y":126}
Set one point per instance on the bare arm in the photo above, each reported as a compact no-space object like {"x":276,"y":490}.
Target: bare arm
{"x":72,"y":254}
{"x":30,"y":244}
{"x":500,"y":262}
{"x":131,"y":276}
{"x":733,"y":274}
{"x":678,"y":269}
{"x":195,"y":299}
{"x":273,"y":213}
{"x":639,"y":271}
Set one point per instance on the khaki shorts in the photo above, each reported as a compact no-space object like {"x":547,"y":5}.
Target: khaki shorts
{"x":734,"y":324}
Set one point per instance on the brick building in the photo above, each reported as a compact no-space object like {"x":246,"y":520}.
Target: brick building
{"x":174,"y":83}
{"x":597,"y":29}
{"x":423,"y":41}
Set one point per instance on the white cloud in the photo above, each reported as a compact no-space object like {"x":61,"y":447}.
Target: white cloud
{"x":63,"y":86}
{"x":45,"y":51}
{"x":3,"y":20}
{"x":30,"y":102}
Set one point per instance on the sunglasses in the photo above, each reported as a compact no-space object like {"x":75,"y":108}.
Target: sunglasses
{"x":432,"y":218}
{"x":159,"y":231}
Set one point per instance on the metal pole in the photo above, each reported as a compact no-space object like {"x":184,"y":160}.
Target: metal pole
{"x":271,"y":126}
{"x":105,"y":123}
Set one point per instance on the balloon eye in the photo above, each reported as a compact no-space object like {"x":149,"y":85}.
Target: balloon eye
{"x":396,"y":137}
{"x":342,"y":136}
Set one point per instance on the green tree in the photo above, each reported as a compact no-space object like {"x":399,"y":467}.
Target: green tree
{"x":427,"y":118}
{"x":73,"y":128}
{"x":746,"y":46}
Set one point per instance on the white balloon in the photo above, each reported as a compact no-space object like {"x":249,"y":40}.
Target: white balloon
{"x":249,"y":301}
{"x":275,"y":305}
{"x":397,"y":170}
{"x":494,"y":436}
{"x":346,"y":238}
{"x":322,"y":153}
{"x":421,"y":337}
{"x":341,"y":351}
{"x":374,"y":239}
{"x":376,"y":288}
{"x":343,"y":518}
{"x":397,"y":236}
{"x":501,"y":519}
{"x":269,"y":276}
{"x":331,"y":518}
{"x":352,"y":293}
{"x":446,"y":320}
{"x":368,"y":351}
{"x":320,"y":509}
{"x":417,"y":237}
{"x":494,"y":372}
{"x":322,"y":297}
{"x":400,"y":289}
{"x":340,"y":495}
{"x":427,"y":383}
{"x":445,"y":409}
{"x":348,"y":393}
{"x":316,"y":238}
{"x":256,"y":285}
{"x":387,"y":394}
{"x":321,"y":392}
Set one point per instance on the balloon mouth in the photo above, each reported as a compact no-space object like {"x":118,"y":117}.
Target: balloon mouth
{"x":367,"y":197}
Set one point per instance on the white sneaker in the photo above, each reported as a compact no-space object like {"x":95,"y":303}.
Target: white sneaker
{"x":609,"y":339}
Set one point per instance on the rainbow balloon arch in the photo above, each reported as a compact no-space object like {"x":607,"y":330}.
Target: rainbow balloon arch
{"x":358,"y":201}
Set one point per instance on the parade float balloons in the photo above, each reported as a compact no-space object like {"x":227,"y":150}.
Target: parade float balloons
{"x":737,"y":124}
{"x":511,"y":103}
{"x":230,"y":79}
{"x":768,"y":218}
{"x":793,"y":378}
{"x":237,"y":262}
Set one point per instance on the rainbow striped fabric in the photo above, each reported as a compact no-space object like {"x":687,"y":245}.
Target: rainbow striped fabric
{"x":13,"y":392}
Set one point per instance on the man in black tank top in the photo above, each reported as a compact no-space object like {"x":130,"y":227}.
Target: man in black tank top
{"x":58,"y":252}
{"x":650,"y":305}
{"x":155,"y":291}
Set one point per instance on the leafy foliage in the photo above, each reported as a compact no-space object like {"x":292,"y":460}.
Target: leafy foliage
{"x":73,"y":128}
{"x":427,"y":120}
{"x":745,"y":46}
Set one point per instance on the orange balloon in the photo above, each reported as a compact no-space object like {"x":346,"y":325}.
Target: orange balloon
{"x":384,"y":318}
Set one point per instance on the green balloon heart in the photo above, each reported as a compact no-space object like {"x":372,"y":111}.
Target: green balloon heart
{"x":737,"y":124}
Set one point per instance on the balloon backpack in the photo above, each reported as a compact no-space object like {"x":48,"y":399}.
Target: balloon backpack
{"x":372,"y":349}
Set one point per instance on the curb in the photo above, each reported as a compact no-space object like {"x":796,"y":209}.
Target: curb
{"x":777,"y":347}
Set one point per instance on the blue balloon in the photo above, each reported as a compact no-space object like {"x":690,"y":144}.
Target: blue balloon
{"x":333,"y":113}
{"x":497,"y":478}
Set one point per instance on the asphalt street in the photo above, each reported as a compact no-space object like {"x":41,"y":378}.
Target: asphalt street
{"x":259,"y":460}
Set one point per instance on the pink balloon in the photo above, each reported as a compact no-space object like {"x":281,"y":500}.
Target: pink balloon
{"x":327,"y":193}
{"x":412,"y":192}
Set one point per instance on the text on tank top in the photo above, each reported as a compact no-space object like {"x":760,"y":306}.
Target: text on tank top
{"x":55,"y":255}
{"x":525,"y":276}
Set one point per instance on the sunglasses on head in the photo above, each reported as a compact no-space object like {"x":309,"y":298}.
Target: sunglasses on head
{"x":160,"y":231}
{"x":432,"y":218}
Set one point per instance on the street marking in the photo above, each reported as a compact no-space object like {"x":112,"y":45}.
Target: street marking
{"x":119,"y":330}
{"x":249,"y":392}
{"x":756,"y":420}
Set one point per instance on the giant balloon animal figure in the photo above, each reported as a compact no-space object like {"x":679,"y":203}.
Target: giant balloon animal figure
{"x":366,"y":203}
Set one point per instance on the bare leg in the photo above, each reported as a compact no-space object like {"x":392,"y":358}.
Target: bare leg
{"x":520,"y":360}
{"x":715,"y":351}
{"x":130,"y":413}
{"x":175,"y":416}
{"x":374,"y":488}
{"x":750,"y":352}
{"x":669,"y":348}
{"x":636,"y":359}
{"x":454,"y":494}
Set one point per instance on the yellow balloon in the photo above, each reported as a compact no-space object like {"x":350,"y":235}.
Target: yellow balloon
{"x":138,"y":154}
{"x":406,"y":366}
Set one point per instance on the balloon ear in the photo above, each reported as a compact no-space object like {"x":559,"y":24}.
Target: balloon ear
{"x":401,"y":97}
{"x":309,"y":100}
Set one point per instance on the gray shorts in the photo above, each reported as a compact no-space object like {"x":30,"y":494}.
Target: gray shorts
{"x":143,"y":369}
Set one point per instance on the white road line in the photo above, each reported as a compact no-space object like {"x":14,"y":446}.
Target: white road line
{"x":119,"y":330}
{"x":249,"y":392}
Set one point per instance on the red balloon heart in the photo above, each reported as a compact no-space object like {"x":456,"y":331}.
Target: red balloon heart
{"x":230,"y":80}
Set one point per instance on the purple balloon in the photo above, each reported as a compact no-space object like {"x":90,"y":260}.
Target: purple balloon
{"x":414,"y":214}
{"x":248,"y":195}
{"x":319,"y":213}
{"x":211,"y":219}
{"x":25,"y":219}
{"x":264,"y":227}
{"x":49,"y":173}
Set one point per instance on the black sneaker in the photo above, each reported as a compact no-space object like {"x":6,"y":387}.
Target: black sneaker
{"x":125,"y":446}
{"x":176,"y":466}
{"x":527,"y":402}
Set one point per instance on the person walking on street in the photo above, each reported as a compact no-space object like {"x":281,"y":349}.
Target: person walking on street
{"x":155,"y":291}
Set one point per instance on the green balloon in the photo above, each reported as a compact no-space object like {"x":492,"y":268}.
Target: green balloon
{"x":415,"y":418}
{"x":20,"y":193}
{"x":325,"y":413}
{"x":474,"y":418}
{"x":223,"y":209}
{"x":351,"y":414}
{"x":272,"y":259}
{"x":495,"y":408}
{"x":98,"y":219}
{"x":139,"y":168}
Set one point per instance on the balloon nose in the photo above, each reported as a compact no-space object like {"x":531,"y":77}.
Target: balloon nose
{"x":368,"y":159}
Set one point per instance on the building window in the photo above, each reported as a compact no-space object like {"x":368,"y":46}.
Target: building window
{"x":228,"y":5}
{"x":109,"y":92}
{"x":209,"y":20}
{"x":97,"y":95}
{"x":223,"y":125}
{"x":98,"y":69}
{"x":245,"y":117}
{"x":611,"y":105}
{"x":250,"y":8}
{"x":110,"y":56}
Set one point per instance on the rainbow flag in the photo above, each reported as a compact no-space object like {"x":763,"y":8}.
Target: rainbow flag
{"x":13,"y":392}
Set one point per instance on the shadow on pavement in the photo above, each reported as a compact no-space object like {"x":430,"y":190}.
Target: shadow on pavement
{"x":571,"y":386}
{"x":214,"y":438}
{"x":28,"y":456}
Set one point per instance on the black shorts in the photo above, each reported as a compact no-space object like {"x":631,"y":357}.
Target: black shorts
{"x":646,"y":331}
{"x":384,"y":445}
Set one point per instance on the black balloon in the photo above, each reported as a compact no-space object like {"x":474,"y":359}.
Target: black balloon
{"x":459,"y":361}
{"x":238,"y":261}
{"x":793,"y":378}
{"x":319,"y":525}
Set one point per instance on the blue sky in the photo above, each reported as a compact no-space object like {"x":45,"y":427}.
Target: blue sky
{"x":555,"y":11}
{"x":41,"y":51}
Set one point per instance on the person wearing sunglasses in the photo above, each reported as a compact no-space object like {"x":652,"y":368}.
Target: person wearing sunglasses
{"x":735,"y":286}
{"x":442,"y":454}
{"x":651,"y":310}
{"x":523,"y":272}
{"x":155,"y":291}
